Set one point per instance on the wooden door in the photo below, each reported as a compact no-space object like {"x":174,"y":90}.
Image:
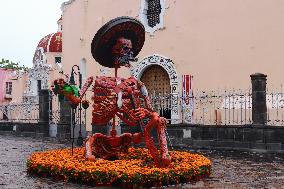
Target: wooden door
{"x":156,"y":80}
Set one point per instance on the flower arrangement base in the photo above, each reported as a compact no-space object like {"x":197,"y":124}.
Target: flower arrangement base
{"x":131,"y":170}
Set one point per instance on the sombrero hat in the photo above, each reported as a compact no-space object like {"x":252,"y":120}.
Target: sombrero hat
{"x":107,"y":35}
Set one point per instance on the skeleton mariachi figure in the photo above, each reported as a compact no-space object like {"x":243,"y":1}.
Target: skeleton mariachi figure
{"x":116,"y":44}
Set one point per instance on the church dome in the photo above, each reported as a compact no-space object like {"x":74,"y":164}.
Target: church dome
{"x":51,"y":42}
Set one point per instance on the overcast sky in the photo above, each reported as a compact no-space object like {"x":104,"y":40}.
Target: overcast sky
{"x":23,"y":23}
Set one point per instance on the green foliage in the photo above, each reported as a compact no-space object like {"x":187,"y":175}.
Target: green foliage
{"x":7,"y":64}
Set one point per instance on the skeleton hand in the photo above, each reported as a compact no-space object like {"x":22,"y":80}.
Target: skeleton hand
{"x":139,"y":113}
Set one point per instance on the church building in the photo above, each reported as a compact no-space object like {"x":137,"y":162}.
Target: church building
{"x":190,"y":45}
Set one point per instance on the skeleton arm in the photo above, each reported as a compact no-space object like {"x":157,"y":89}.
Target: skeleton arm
{"x":86,"y":86}
{"x":145,"y":96}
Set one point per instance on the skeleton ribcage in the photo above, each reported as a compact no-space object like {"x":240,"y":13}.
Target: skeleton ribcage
{"x":105,"y":100}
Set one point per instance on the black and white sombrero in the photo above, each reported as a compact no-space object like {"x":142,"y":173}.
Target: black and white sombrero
{"x":106,"y":36}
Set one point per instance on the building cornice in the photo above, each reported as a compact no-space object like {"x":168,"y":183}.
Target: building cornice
{"x":64,"y":4}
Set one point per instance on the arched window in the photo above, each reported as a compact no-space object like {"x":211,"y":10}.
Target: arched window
{"x":83,"y":68}
{"x":152,"y":13}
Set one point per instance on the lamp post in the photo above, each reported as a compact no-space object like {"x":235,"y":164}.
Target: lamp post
{"x":72,"y":82}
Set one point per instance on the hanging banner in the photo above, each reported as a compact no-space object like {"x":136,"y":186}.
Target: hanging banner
{"x":187,"y":99}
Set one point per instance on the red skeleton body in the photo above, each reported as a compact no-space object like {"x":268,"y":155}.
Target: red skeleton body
{"x":119,"y":97}
{"x":106,"y":91}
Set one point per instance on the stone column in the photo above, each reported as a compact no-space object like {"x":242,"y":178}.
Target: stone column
{"x":44,"y":108}
{"x":65,"y":112}
{"x":259,"y":108}
{"x":64,"y":125}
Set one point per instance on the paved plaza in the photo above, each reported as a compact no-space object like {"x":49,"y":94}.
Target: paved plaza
{"x":230,"y":169}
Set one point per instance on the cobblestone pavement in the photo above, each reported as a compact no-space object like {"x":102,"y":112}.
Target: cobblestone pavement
{"x":230,"y":169}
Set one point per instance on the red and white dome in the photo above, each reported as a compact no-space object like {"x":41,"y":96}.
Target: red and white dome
{"x":51,"y":42}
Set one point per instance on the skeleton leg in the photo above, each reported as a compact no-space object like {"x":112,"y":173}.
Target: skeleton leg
{"x":159,"y":124}
{"x":166,"y":159}
{"x":88,"y":148}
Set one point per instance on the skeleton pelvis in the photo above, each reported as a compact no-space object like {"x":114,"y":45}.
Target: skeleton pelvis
{"x":107,"y":147}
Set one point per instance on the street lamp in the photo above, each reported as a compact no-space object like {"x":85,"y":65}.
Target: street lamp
{"x":72,"y":82}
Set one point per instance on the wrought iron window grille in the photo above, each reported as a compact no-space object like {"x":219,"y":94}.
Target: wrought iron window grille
{"x":153,"y":12}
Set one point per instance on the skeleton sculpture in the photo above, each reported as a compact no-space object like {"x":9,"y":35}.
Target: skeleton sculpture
{"x":115,"y":45}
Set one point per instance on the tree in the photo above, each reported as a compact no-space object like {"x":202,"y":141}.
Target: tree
{"x":7,"y":64}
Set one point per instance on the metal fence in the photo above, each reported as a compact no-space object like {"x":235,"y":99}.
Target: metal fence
{"x":22,"y":112}
{"x":275,"y":107}
{"x":228,"y":107}
{"x":54,"y":109}
{"x":208,"y":107}
{"x":28,"y":111}
{"x":220,"y":107}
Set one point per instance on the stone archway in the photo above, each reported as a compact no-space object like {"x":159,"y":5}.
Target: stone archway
{"x":157,"y":80}
{"x":168,"y":65}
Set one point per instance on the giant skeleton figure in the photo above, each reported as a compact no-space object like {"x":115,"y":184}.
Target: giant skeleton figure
{"x":113,"y":46}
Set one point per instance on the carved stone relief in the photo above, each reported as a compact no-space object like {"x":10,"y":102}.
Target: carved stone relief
{"x":168,"y":65}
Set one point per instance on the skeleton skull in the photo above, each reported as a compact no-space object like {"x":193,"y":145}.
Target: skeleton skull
{"x":122,"y":51}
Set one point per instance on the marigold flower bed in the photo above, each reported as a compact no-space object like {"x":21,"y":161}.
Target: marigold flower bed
{"x":133,"y":169}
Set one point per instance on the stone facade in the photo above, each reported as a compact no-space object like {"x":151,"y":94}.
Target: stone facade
{"x":214,"y":42}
